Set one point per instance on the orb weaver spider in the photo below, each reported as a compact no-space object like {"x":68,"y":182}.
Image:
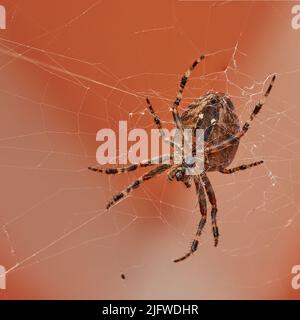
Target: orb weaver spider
{"x":213,"y":112}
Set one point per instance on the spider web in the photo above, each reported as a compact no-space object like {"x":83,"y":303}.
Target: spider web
{"x":64,"y":79}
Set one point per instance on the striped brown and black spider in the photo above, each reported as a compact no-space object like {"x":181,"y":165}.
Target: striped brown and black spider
{"x":213,"y":112}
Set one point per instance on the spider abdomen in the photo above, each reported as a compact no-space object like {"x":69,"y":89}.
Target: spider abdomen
{"x":215,"y":114}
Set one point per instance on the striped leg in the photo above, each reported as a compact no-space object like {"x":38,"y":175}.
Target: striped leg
{"x":172,"y":172}
{"x":154,"y":115}
{"x":132,"y":167}
{"x":213,"y":201}
{"x":158,"y":123}
{"x":147,"y":176}
{"x":258,"y":106}
{"x":242,"y":167}
{"x":203,"y":211}
{"x":183,"y":82}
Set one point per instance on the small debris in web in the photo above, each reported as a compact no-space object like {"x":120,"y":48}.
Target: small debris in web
{"x":123,"y":276}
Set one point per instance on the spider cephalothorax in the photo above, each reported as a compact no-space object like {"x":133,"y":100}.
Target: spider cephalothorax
{"x":215,"y":114}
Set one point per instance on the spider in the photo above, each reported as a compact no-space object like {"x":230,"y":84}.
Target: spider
{"x":213,"y":112}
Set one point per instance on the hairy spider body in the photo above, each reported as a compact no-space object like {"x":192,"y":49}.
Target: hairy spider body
{"x":213,"y":112}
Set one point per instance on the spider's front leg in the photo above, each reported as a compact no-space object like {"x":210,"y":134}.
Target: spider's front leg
{"x":203,"y":211}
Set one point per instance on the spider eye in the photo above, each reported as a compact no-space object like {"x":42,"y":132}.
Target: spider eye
{"x":213,"y":101}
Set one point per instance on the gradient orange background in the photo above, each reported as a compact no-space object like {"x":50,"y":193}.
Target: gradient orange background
{"x":69,"y":68}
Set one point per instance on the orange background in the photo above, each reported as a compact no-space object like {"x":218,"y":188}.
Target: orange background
{"x":69,"y":68}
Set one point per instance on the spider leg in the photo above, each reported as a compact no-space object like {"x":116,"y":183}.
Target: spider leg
{"x":172,"y":172}
{"x":158,"y":123}
{"x":258,"y":106}
{"x":231,"y":140}
{"x":242,"y":167}
{"x":132,"y":167}
{"x":213,"y":201}
{"x":154,"y":115}
{"x":184,"y":79}
{"x":147,"y":176}
{"x":203,"y":211}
